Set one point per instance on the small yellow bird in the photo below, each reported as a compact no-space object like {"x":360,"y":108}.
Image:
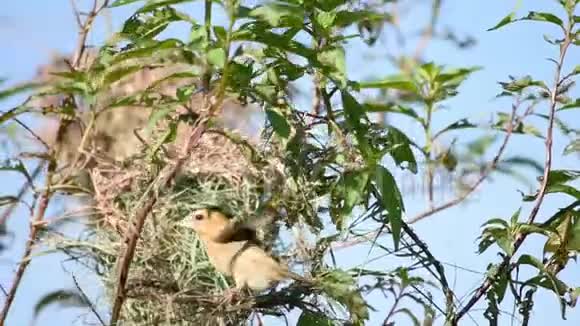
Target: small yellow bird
{"x":234,"y":251}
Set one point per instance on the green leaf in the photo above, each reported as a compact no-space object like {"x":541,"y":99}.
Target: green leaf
{"x":147,"y":23}
{"x":515,"y":216}
{"x":391,"y":200}
{"x":530,"y":260}
{"x":562,"y":176}
{"x":117,"y":74}
{"x":497,"y":231}
{"x":311,"y":319}
{"x":334,"y":59}
{"x":392,"y":82}
{"x":429,"y":71}
{"x":279,"y":14}
{"x":120,"y":3}
{"x":498,"y":221}
{"x":557,"y":180}
{"x":67,"y":298}
{"x":564,"y":229}
{"x":544,"y":17}
{"x":221,"y":33}
{"x":523,"y":161}
{"x":460,"y":124}
{"x":347,"y":193}
{"x":148,"y":51}
{"x":197,"y":37}
{"x":7,"y":200}
{"x":394,"y":108}
{"x":401,"y":149}
{"x":260,"y":34}
{"x":327,"y":5}
{"x":325,"y":19}
{"x":480,"y":145}
{"x":518,"y":85}
{"x":500,"y":286}
{"x":354,"y":113}
{"x":217,"y":57}
{"x":574,"y":237}
{"x":345,"y":18}
{"x":570,"y":105}
{"x":152,"y":5}
{"x":340,"y":286}
{"x":573,"y":147}
{"x":565,"y":189}
{"x":506,"y":20}
{"x":454,"y":77}
{"x":279,"y":122}
{"x":14,"y":112}
{"x":546,"y":280}
{"x":5,"y":93}
{"x":531,"y":228}
{"x":503,"y":122}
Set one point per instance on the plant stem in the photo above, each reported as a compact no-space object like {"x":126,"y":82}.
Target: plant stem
{"x":35,"y":226}
{"x":504,"y":266}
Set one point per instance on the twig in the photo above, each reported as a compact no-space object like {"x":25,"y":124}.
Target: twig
{"x":35,"y":226}
{"x":6,"y":213}
{"x":40,"y":140}
{"x":36,"y":221}
{"x":491,"y":166}
{"x":84,"y":32}
{"x":391,"y":312}
{"x":77,"y":14}
{"x":504,"y":266}
{"x":88,"y":301}
{"x":449,"y":295}
{"x":455,"y":201}
{"x":427,"y":34}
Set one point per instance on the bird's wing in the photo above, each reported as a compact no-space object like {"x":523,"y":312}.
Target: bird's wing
{"x":232,"y":232}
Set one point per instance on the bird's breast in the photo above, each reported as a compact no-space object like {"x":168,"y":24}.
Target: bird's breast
{"x":221,"y":255}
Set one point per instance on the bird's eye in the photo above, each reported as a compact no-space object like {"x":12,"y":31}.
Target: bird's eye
{"x":198,"y":217}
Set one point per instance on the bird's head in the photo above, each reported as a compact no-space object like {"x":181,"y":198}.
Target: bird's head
{"x":208,"y":222}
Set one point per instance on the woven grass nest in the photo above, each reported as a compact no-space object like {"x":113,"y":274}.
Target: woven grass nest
{"x":170,"y":279}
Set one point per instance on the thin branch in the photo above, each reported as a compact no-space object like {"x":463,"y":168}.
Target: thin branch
{"x":88,"y":301}
{"x":398,"y":298}
{"x":371,"y":235}
{"x":36,"y":222}
{"x":449,"y":295}
{"x":35,"y":226}
{"x":504,"y":266}
{"x":84,"y":31}
{"x":77,"y":14}
{"x":29,"y":183}
{"x":490,"y":168}
{"x":427,"y":34}
{"x":25,"y":127}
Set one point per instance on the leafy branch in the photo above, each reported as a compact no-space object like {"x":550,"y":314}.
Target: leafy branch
{"x":505,"y":264}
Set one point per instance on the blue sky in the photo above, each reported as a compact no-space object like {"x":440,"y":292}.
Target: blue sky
{"x":31,"y":30}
